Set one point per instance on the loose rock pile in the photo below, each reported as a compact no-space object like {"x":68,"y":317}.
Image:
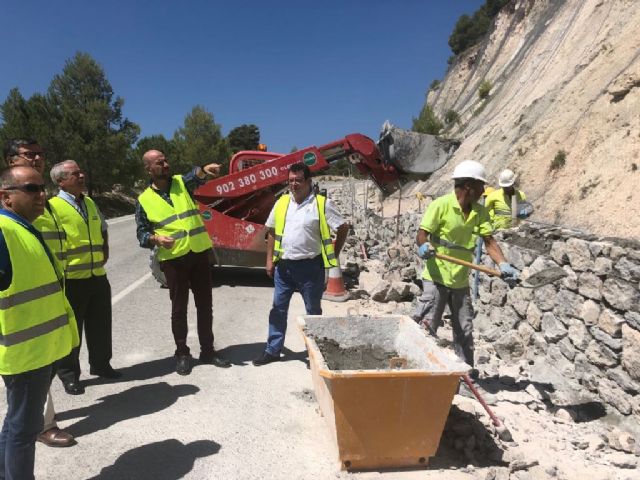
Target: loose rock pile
{"x":556,"y":359}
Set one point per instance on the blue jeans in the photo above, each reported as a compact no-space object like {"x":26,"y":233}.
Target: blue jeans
{"x":305,"y":276}
{"x":26,"y":395}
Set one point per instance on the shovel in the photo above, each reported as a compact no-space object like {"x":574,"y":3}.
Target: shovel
{"x":543,"y":277}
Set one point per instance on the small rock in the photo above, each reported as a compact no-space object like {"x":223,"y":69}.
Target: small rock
{"x":622,"y":460}
{"x":523,"y":464}
{"x":590,"y":312}
{"x":610,"y":323}
{"x":631,"y":351}
{"x":563,"y":415}
{"x":379,"y":292}
{"x":508,"y":374}
{"x":621,"y":294}
{"x":595,"y":442}
{"x":518,"y":397}
{"x":622,"y":441}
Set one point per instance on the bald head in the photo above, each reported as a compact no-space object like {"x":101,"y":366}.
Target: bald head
{"x":157,"y":165}
{"x":22,"y":191}
{"x":151,"y":155}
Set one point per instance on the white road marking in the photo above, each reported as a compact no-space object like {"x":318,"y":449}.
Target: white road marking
{"x":115,"y":221}
{"x":120,"y":295}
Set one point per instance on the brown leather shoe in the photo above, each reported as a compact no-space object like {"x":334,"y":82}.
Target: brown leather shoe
{"x":54,"y":437}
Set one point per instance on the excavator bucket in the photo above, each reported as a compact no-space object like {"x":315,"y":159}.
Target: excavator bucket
{"x":414,"y":153}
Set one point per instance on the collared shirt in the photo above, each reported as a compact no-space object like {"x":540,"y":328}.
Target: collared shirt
{"x":6,"y":272}
{"x":301,"y":237}
{"x":450,"y":233}
{"x":144,"y":228}
{"x":81,"y":207}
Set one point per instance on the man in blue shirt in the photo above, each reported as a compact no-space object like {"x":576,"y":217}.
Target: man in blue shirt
{"x":22,"y":199}
{"x":28,"y":153}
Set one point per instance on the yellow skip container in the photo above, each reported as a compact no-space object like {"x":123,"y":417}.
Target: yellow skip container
{"x":391,"y":415}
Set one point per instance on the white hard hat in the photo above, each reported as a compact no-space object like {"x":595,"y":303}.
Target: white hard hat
{"x":469,"y":169}
{"x":507,"y":178}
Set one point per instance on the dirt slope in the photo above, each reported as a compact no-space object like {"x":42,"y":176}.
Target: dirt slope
{"x":566,"y":76}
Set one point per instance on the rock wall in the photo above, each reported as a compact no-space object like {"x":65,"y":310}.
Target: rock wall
{"x":580,"y":335}
{"x":565,"y":75}
{"x":585,"y":326}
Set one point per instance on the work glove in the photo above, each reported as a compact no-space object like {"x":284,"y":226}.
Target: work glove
{"x":425,"y":251}
{"x":509,"y":274}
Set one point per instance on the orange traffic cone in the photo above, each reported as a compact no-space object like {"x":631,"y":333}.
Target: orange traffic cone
{"x":335,"y":291}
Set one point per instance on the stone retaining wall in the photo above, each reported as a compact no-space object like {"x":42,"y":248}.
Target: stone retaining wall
{"x":587,"y":325}
{"x":585,"y":328}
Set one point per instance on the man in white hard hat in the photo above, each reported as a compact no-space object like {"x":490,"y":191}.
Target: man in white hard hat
{"x":500,"y":201}
{"x":450,"y":226}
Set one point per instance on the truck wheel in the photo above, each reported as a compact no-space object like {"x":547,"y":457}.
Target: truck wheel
{"x":154,"y":264}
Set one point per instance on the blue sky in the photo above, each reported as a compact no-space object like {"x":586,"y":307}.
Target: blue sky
{"x":307,"y":73}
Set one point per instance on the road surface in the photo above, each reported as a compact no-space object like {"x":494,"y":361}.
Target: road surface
{"x":244,"y":422}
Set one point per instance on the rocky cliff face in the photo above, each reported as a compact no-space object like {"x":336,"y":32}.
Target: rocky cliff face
{"x":565,"y":76}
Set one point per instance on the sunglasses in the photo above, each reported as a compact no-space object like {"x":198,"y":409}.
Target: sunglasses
{"x":28,"y":187}
{"x":31,"y":155}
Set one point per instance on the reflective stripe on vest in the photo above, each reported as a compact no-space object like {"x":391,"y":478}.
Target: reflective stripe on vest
{"x":37,"y":326}
{"x":503,"y":213}
{"x":49,"y":226}
{"x":84,"y":255}
{"x":450,"y":245}
{"x":280,"y":217}
{"x":34,"y":332}
{"x":182,"y":221}
{"x":500,"y":208}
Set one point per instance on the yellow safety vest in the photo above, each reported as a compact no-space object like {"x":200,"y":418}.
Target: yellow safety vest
{"x":182,"y":221}
{"x":50,"y":226}
{"x":500,"y":209}
{"x":280,"y":217}
{"x":37,"y":325}
{"x":85,"y":255}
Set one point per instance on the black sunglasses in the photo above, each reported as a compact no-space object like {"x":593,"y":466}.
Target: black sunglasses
{"x":28,"y":187}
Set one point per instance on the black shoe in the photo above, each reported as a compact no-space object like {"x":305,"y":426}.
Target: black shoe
{"x":266,"y":358}
{"x":183,"y":365}
{"x":107,"y":372}
{"x":214,"y":359}
{"x":73,"y":388}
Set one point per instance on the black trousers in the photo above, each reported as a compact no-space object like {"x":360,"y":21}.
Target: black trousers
{"x":90,"y":299}
{"x":191,"y":271}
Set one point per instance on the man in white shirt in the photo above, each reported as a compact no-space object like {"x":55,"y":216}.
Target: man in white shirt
{"x":299,"y":248}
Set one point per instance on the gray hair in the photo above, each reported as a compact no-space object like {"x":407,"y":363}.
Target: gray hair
{"x":57,"y":171}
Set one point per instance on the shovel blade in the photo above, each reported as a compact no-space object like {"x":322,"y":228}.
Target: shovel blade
{"x":544,"y":277}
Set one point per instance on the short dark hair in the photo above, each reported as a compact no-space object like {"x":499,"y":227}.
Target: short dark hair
{"x":12,"y":148}
{"x":300,"y":167}
{"x":462,"y":182}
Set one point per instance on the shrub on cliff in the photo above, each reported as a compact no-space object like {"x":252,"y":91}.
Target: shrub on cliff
{"x":470,"y":30}
{"x":558,"y":161}
{"x":427,"y":121}
{"x":484,"y":89}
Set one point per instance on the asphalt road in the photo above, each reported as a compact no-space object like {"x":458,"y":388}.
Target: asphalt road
{"x":244,"y":422}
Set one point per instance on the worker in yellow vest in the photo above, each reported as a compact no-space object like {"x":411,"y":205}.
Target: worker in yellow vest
{"x":500,"y":201}
{"x":27,"y":152}
{"x":167,"y":217}
{"x":450,"y":226}
{"x":37,"y":325}
{"x":88,"y":288}
{"x":299,"y":249}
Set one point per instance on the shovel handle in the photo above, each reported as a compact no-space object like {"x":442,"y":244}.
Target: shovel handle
{"x":481,"y":268}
